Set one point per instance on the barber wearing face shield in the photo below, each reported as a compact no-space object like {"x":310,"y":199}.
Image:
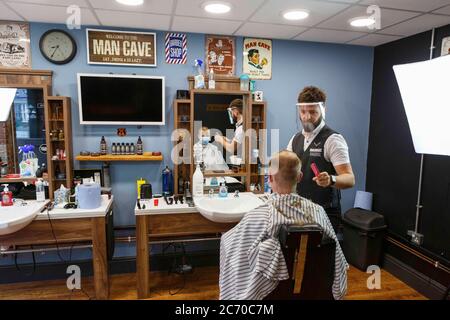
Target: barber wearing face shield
{"x":236,"y":117}
{"x":319,"y":144}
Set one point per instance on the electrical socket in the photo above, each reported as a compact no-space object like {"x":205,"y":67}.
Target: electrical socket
{"x":416,"y":237}
{"x":183,"y":269}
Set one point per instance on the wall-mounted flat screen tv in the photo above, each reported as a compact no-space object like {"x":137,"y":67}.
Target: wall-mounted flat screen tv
{"x":112,"y":99}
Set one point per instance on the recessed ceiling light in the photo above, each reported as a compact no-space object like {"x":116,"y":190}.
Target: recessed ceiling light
{"x":297,"y":14}
{"x":131,"y":2}
{"x":361,"y":22}
{"x":217,"y":7}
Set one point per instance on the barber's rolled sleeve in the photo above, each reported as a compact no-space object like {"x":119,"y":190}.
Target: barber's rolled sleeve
{"x":336,"y":150}
{"x":289,"y":146}
{"x":239,"y":134}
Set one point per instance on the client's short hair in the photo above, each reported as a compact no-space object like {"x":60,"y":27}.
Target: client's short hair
{"x":285,"y":166}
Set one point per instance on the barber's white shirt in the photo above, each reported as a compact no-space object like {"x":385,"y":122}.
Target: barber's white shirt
{"x":335,"y":148}
{"x":239,"y":132}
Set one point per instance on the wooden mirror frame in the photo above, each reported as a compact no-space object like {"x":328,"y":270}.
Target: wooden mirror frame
{"x":29,"y":79}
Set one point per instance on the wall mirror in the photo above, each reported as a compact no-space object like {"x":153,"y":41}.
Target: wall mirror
{"x":23,"y":95}
{"x":23,"y":125}
{"x":215,"y":115}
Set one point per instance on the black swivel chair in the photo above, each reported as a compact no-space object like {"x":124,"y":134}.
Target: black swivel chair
{"x":310,"y":262}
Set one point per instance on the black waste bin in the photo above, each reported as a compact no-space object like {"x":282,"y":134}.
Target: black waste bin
{"x":363,"y":237}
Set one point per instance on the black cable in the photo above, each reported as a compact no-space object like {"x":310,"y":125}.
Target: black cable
{"x":54,"y":237}
{"x":447,"y":292}
{"x":174,"y":265}
{"x":34,"y":264}
{"x":59,"y":254}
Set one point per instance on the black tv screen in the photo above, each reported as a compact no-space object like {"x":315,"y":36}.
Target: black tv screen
{"x":121,"y":99}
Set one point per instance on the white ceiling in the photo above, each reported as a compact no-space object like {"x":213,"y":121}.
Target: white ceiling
{"x":328,"y":20}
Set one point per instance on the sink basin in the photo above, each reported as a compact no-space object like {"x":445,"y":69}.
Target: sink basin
{"x":229,"y":209}
{"x":18,"y":216}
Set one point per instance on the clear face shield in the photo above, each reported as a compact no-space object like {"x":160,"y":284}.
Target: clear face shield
{"x":230,"y":115}
{"x":310,"y":115}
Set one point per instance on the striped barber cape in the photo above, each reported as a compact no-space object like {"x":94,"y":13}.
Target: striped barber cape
{"x":251,"y":258}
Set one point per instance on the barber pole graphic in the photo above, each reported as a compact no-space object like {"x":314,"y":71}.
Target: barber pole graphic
{"x":176,"y":48}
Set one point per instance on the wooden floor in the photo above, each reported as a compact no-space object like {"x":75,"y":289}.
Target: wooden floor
{"x":201,"y":284}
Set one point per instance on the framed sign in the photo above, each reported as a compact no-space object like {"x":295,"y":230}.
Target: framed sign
{"x":220,"y":55}
{"x":445,"y":46}
{"x":15,"y":50}
{"x":121,"y":48}
{"x":176,"y":48}
{"x":258,"y":58}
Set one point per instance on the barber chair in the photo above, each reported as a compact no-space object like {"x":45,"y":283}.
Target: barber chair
{"x":310,"y":261}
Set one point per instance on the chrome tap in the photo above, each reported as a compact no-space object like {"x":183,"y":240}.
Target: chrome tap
{"x":236,"y":194}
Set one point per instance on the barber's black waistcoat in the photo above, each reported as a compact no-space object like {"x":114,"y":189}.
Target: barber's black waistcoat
{"x":326,"y":197}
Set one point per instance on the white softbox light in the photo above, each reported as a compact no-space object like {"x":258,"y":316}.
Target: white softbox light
{"x":425,"y":87}
{"x":6,"y":99}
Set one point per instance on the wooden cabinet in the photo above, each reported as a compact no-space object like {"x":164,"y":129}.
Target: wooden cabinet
{"x":59,"y":142}
{"x":258,"y":123}
{"x":184,"y":117}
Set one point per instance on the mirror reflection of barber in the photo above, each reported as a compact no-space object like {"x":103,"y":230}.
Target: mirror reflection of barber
{"x":235,"y":114}
{"x":317,"y":143}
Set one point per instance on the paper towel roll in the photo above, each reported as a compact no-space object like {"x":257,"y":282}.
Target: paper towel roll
{"x":89,"y":196}
{"x":363,"y":200}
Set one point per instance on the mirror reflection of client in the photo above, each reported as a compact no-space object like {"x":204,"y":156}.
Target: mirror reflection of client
{"x":211,"y":155}
{"x":212,"y":159}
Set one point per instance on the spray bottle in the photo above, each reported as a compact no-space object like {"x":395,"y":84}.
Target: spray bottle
{"x":199,"y":79}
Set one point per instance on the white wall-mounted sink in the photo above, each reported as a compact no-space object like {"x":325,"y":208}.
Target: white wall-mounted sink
{"x":18,"y":216}
{"x":229,"y":209}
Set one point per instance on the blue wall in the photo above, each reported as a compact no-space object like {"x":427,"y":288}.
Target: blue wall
{"x":343,"y":71}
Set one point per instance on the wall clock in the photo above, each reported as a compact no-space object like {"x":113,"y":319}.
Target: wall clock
{"x":57,"y":46}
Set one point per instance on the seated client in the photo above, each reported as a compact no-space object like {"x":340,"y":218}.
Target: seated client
{"x":251,"y":259}
{"x":212,"y":157}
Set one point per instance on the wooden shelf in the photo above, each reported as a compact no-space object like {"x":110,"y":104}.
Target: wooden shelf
{"x":12,"y":180}
{"x":58,"y":118}
{"x":225,"y":174}
{"x":218,"y":91}
{"x":147,"y":156}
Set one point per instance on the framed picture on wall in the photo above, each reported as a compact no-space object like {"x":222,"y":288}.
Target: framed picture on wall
{"x":15,"y":50}
{"x":257,"y":62}
{"x":124,"y":48}
{"x":445,"y":46}
{"x":176,"y":48}
{"x":220,"y":55}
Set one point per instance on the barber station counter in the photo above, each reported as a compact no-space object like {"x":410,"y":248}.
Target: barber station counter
{"x":167,"y":222}
{"x":61,"y":226}
{"x":61,"y":213}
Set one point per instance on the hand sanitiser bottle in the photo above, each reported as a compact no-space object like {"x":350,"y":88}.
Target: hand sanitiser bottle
{"x":197,"y":182}
{"x":223,"y":191}
{"x":211,"y":80}
{"x":7,"y":198}
{"x":40,"y":191}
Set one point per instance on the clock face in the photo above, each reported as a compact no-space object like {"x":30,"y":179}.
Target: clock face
{"x":57,"y":46}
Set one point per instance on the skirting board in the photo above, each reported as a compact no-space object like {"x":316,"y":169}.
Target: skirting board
{"x":52,"y":271}
{"x":418,"y":281}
